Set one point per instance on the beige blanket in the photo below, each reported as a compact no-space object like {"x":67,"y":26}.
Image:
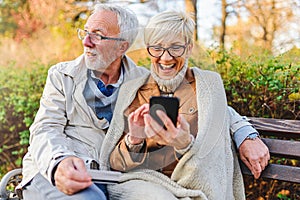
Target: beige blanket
{"x":208,"y":171}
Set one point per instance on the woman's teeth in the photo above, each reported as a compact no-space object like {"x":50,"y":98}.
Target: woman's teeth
{"x":162,"y":66}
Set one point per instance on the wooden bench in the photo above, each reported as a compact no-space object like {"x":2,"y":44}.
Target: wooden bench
{"x":281,"y":136}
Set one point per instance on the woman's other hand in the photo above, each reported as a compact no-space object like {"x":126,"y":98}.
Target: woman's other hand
{"x":178,"y":137}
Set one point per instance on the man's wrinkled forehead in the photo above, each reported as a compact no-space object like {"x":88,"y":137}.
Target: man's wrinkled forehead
{"x":103,"y":21}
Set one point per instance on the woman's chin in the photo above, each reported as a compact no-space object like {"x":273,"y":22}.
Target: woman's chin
{"x":166,"y":76}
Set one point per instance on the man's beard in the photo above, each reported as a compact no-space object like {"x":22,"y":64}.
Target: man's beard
{"x":98,"y":62}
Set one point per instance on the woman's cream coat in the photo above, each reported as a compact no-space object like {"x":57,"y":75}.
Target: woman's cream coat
{"x":209,"y":170}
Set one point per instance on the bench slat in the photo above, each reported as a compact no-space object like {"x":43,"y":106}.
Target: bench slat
{"x":283,"y":148}
{"x":278,"y":172}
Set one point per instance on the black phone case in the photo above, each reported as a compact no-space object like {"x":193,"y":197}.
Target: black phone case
{"x":169,"y":105}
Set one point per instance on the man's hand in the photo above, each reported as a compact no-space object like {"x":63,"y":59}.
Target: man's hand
{"x":255,"y":154}
{"x":71,"y":176}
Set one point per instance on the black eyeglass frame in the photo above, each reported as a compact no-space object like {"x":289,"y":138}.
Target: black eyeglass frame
{"x":98,"y":35}
{"x":166,"y":49}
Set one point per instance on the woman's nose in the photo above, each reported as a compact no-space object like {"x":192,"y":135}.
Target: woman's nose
{"x":166,"y":56}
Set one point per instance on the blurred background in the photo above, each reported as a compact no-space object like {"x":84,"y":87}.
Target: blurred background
{"x":45,"y":30}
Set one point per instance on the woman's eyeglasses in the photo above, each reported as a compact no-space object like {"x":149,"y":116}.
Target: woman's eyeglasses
{"x":174,"y":51}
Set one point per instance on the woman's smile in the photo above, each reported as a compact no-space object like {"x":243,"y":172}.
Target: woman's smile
{"x":165,"y":67}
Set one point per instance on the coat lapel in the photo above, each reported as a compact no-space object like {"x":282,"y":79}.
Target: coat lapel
{"x":148,"y":90}
{"x":80,"y":80}
{"x":185,"y":89}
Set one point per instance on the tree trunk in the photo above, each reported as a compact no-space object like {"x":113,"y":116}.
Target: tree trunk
{"x":223,"y":25}
{"x":191,"y":7}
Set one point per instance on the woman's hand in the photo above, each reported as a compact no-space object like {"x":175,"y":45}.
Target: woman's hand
{"x":137,"y":125}
{"x":177,"y":137}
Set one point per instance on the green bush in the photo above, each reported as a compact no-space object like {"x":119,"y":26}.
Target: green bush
{"x":261,"y":85}
{"x":20,"y":91}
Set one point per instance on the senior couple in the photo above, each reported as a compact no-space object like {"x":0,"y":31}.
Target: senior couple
{"x":76,"y":128}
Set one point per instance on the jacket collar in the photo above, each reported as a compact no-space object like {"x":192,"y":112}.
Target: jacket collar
{"x":73,"y":68}
{"x":78,"y":70}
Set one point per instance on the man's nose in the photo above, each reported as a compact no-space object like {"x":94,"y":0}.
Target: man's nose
{"x":87,"y":41}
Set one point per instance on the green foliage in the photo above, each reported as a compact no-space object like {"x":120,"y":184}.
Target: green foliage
{"x":283,"y":197}
{"x":20,"y":92}
{"x":146,"y":62}
{"x":264,"y":86}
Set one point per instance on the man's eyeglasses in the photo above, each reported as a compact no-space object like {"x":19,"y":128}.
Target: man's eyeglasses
{"x":174,"y":51}
{"x":95,"y":37}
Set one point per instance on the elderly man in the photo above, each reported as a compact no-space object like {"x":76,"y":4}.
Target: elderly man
{"x":76,"y":109}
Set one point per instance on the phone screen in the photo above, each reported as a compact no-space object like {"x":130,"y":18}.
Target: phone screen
{"x":169,"y":105}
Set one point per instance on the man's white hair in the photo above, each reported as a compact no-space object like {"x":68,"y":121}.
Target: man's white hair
{"x":127,"y":20}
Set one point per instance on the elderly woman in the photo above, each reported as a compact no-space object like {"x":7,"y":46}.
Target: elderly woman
{"x":192,"y":160}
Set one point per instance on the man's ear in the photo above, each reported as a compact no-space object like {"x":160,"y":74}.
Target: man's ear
{"x":124,"y":47}
{"x":189,"y":49}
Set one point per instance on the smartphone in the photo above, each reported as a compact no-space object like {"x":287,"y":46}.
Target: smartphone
{"x":169,"y":105}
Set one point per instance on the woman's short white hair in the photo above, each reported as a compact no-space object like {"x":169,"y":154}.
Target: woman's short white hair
{"x":127,"y":20}
{"x":168,"y":25}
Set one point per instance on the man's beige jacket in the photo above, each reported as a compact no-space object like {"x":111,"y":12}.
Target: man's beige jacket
{"x":65,"y":125}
